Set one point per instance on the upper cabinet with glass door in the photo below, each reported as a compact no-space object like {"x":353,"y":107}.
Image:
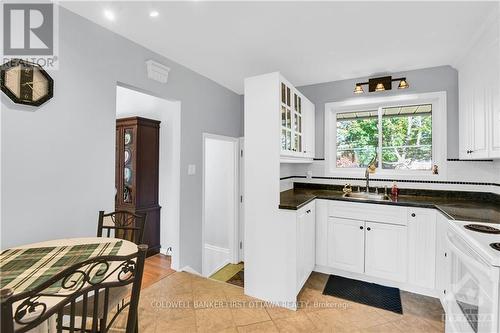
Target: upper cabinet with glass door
{"x":297,"y":125}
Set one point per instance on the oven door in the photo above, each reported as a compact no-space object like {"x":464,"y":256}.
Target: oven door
{"x":472,"y":290}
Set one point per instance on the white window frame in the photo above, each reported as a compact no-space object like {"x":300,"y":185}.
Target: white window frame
{"x":439,"y":136}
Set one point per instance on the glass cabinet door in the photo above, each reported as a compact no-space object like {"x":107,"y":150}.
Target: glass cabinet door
{"x":297,"y":128}
{"x":286,"y":118}
{"x":128,"y":167}
{"x":292,"y":129}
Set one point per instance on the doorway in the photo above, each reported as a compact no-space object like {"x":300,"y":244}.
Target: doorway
{"x":130,"y":103}
{"x":221,"y":199}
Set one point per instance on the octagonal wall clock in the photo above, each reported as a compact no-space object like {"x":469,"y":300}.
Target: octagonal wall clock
{"x":26,"y":83}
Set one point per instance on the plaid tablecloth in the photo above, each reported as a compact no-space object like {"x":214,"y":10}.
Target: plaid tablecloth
{"x":24,"y":269}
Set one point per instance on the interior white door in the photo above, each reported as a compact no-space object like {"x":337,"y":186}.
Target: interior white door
{"x":220,"y":202}
{"x":346,"y":244}
{"x":385,"y":253}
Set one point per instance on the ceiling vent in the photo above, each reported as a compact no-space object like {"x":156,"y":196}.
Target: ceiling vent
{"x":157,"y":71}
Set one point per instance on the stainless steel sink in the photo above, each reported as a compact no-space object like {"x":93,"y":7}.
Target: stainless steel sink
{"x":367,"y":196}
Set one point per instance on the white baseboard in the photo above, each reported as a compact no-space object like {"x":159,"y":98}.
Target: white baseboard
{"x":214,"y":259}
{"x":218,"y":268}
{"x":190,"y":269}
{"x":216,"y":248}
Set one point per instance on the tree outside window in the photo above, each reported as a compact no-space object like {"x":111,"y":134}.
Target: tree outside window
{"x":404,"y":140}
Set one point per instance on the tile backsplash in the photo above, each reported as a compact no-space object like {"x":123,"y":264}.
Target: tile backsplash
{"x":481,"y":176}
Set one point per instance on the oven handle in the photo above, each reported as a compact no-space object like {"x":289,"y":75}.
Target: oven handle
{"x":467,"y":254}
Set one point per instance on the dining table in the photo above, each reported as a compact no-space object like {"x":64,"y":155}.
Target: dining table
{"x":25,"y":267}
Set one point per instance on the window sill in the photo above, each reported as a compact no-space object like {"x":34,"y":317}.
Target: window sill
{"x":387,"y":175}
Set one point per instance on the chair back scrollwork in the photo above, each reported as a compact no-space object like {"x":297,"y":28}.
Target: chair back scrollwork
{"x":123,"y":225}
{"x":69,"y":294}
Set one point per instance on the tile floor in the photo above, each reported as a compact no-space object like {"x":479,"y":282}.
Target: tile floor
{"x":182,"y":302}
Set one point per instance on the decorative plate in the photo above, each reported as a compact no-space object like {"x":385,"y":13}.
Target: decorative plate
{"x":127,"y":174}
{"x":127,"y":156}
{"x":128,"y":138}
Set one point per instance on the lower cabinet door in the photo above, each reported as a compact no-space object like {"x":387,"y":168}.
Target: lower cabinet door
{"x":422,"y":247}
{"x":310,"y":243}
{"x":346,"y":244}
{"x":301,"y":253}
{"x":321,"y":238}
{"x":386,"y":251}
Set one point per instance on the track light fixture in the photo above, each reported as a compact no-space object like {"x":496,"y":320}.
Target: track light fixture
{"x":358,"y":89}
{"x":381,"y":84}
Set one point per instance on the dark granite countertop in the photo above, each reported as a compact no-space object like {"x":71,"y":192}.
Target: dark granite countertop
{"x":467,"y":206}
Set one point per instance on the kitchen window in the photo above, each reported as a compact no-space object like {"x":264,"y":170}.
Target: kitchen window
{"x":406,"y":135}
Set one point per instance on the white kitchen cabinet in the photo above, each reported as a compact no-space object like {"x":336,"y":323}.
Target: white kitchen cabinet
{"x":305,"y":243}
{"x":479,"y":97}
{"x":274,"y":246}
{"x":368,"y":212}
{"x":321,"y":232}
{"x":441,"y":256}
{"x":422,"y":247}
{"x":297,"y":129}
{"x":309,"y":128}
{"x":346,"y":244}
{"x":385,"y":251}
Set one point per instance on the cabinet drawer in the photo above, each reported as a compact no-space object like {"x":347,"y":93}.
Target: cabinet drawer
{"x":309,"y":207}
{"x":368,"y":212}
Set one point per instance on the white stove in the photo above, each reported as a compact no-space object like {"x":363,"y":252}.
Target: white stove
{"x":480,"y":241}
{"x":473,"y":281}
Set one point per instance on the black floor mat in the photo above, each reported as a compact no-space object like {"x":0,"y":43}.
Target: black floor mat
{"x":371,"y":294}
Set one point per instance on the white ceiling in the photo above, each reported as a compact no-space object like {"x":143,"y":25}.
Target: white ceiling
{"x":308,"y":42}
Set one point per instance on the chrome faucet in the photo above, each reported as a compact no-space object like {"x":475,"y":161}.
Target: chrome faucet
{"x":370,"y":169}
{"x":367,"y":176}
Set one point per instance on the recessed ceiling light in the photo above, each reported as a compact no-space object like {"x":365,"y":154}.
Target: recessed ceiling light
{"x":109,"y":15}
{"x":153,"y":13}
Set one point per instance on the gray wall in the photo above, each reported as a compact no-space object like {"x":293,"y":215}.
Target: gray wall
{"x":444,"y":78}
{"x":58,"y":159}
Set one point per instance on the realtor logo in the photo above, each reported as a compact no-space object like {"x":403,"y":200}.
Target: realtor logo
{"x":29,"y":32}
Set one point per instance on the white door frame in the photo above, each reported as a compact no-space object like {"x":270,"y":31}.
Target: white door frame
{"x":241,"y":224}
{"x":234,"y":228}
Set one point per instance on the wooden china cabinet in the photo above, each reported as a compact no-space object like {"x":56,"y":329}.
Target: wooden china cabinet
{"x":137,"y":167}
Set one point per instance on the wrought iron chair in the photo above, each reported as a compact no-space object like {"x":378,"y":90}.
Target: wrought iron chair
{"x":68,"y":295}
{"x":122,"y":224}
